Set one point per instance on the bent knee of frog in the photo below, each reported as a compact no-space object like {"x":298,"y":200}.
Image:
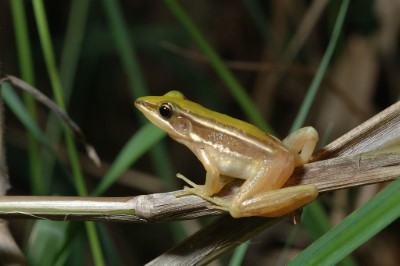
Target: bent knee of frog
{"x":312,"y":191}
{"x":235,"y":212}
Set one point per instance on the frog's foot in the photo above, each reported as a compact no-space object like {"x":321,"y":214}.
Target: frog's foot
{"x":187,"y":190}
{"x":187,"y":180}
{"x":199,"y":191}
{"x":219,"y":204}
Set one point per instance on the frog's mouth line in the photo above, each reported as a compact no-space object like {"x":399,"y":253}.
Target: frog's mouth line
{"x":149,"y":109}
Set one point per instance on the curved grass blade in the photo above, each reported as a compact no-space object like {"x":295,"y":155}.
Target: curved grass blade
{"x":39,"y":96}
{"x":139,"y":143}
{"x":19,"y":110}
{"x":354,"y":230}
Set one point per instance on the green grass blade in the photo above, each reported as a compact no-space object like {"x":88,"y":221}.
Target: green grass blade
{"x":47,"y":48}
{"x":94,"y":243}
{"x":259,"y":18}
{"x":15,"y":104}
{"x":48,"y":52}
{"x":139,"y":143}
{"x":315,"y":218}
{"x":72,"y":45}
{"x":111,"y":250}
{"x":354,"y":230}
{"x":216,"y":62}
{"x":68,"y":64}
{"x":45,"y":241}
{"x":25,"y":61}
{"x":238,"y":255}
{"x":323,"y":66}
{"x":126,"y":50}
{"x":22,"y":40}
{"x":317,"y":223}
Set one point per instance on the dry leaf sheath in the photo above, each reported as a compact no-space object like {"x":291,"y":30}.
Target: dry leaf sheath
{"x":327,"y":175}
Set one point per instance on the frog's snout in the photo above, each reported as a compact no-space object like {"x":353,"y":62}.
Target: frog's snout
{"x":140,"y":104}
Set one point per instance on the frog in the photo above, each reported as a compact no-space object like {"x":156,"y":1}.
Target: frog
{"x":229,"y":149}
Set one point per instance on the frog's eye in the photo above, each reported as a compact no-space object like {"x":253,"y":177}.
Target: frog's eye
{"x":165,"y":110}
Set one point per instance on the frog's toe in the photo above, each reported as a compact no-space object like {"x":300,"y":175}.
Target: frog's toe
{"x":197,"y":190}
{"x":186,"y":191}
{"x":219,"y":203}
{"x":218,"y":207}
{"x":188,"y":181}
{"x":183,"y":192}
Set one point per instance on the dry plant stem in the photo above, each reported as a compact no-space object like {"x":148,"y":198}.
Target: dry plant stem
{"x":202,"y":245}
{"x":327,"y":175}
{"x":382,"y":130}
{"x":10,"y":253}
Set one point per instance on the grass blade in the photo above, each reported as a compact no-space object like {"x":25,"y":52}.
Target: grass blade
{"x":216,"y":62}
{"x":316,"y":82}
{"x":354,"y":230}
{"x":15,"y":104}
{"x":48,"y":52}
{"x":127,"y":54}
{"x":26,"y":68}
{"x":139,"y":143}
{"x":68,"y":65}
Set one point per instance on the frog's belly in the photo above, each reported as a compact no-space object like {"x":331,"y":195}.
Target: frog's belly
{"x":238,"y":166}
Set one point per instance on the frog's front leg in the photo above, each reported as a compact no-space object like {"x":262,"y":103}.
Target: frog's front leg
{"x":213,"y":183}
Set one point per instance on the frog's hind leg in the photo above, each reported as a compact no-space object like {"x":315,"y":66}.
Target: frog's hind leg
{"x":276,"y":203}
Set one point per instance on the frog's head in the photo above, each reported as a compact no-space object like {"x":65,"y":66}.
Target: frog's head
{"x":166,"y":112}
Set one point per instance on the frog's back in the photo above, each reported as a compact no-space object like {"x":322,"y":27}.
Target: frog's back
{"x":220,"y":129}
{"x":228,"y":130}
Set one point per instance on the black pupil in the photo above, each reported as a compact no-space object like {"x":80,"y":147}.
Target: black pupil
{"x":165,"y":111}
